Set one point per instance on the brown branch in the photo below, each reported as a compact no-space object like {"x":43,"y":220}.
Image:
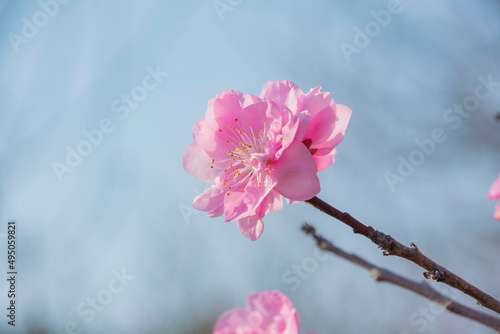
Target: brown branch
{"x":422,"y":288}
{"x":392,"y":247}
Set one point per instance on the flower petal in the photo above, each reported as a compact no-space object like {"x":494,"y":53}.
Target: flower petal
{"x":272,"y":202}
{"x":497,"y":212}
{"x":234,"y":206}
{"x":324,"y":161}
{"x":295,"y":130}
{"x":494,"y":192}
{"x":252,"y":119}
{"x":277,"y":309}
{"x":210,"y":200}
{"x":229,"y":321}
{"x":296,"y":173}
{"x":283,"y":92}
{"x":267,"y":312}
{"x":256,"y":192}
{"x":323,"y":115}
{"x":225,"y":104}
{"x":251,"y":227}
{"x":343,"y":117}
{"x":324,"y":151}
{"x":197,"y":163}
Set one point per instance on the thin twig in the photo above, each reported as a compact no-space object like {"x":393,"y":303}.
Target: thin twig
{"x":392,"y":247}
{"x":422,"y":288}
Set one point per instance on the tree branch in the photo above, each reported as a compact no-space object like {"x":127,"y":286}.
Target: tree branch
{"x":383,"y":275}
{"x":392,"y":247}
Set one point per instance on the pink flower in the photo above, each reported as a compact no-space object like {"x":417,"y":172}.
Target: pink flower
{"x":268,"y":312}
{"x":328,"y":120}
{"x":252,"y":150}
{"x":494,"y":194}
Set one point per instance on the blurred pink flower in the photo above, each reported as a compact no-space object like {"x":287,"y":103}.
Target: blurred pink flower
{"x":494,"y":194}
{"x":252,"y":150}
{"x":328,"y":120}
{"x":266,"y":313}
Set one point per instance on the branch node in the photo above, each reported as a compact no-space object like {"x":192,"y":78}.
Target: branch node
{"x":375,"y":274}
{"x":437,"y":275}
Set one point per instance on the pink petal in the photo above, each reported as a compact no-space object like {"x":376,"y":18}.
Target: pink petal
{"x":494,"y":192}
{"x":252,"y":118}
{"x":343,"y":117}
{"x":295,"y":130}
{"x":251,"y":227}
{"x":277,"y":308}
{"x":232,"y":319}
{"x":212,"y":135}
{"x":324,"y":161}
{"x":212,"y":132}
{"x":197,"y":163}
{"x":267,"y":312}
{"x":497,"y":212}
{"x":210,"y":200}
{"x":272,"y":202}
{"x":325,"y":151}
{"x":250,"y":99}
{"x":323,"y":116}
{"x":207,"y":137}
{"x":225,"y":104}
{"x":234,"y":206}
{"x":283,"y":92}
{"x":296,"y":173}
{"x":254,"y":196}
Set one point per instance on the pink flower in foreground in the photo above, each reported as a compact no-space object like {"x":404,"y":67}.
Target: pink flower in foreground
{"x":256,"y":150}
{"x":328,"y":120}
{"x":252,"y":150}
{"x":494,"y":194}
{"x":268,"y":312}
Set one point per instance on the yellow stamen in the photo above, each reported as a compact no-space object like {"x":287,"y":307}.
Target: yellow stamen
{"x":241,"y":152}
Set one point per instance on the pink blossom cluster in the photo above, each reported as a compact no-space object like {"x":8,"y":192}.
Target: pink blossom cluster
{"x":267,"y":312}
{"x":494,"y":194}
{"x":257,"y":150}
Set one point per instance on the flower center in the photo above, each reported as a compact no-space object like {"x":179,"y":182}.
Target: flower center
{"x":260,"y":160}
{"x":251,"y":154}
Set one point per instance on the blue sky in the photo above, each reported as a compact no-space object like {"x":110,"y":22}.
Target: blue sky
{"x":80,"y":69}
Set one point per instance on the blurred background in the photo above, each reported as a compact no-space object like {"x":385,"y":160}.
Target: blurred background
{"x":98,"y":100}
